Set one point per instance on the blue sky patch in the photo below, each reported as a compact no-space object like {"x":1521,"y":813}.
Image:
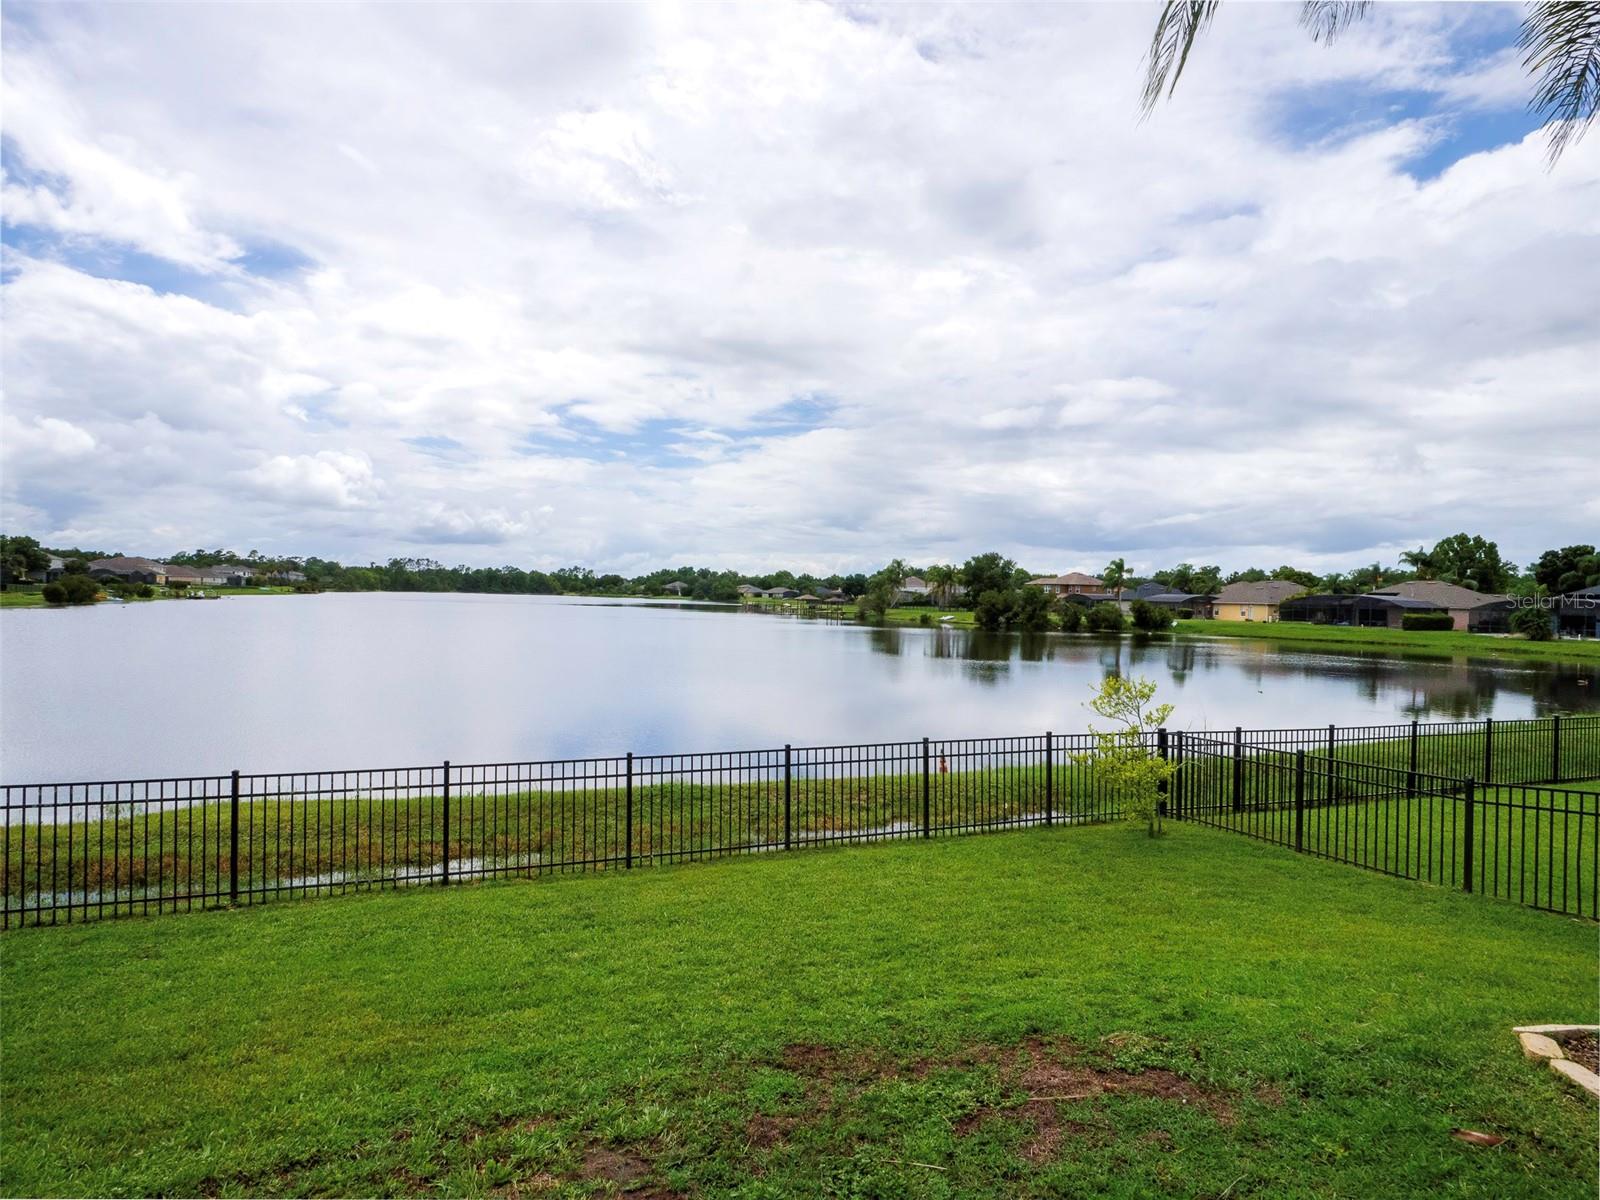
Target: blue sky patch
{"x":436,"y":444}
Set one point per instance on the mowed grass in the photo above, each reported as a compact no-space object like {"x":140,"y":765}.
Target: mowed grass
{"x":1067,"y":1012}
{"x":1432,"y":642}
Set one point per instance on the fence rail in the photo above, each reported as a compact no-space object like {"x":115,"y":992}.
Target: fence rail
{"x":1536,"y":845}
{"x":87,"y":850}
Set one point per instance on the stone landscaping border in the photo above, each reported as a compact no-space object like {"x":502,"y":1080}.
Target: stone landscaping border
{"x":1544,"y":1041}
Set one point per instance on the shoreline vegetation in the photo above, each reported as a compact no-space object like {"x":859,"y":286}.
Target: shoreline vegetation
{"x":1327,"y":638}
{"x":1447,"y":644}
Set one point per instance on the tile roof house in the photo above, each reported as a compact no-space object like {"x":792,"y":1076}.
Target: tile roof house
{"x":196,"y":576}
{"x":1254,"y":601}
{"x":1072,"y":583}
{"x":749,"y":589}
{"x":134,"y":570}
{"x":1483,"y":612}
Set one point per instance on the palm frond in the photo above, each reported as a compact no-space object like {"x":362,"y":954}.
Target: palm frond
{"x":1181,"y":22}
{"x":1561,"y":44}
{"x":1327,"y":19}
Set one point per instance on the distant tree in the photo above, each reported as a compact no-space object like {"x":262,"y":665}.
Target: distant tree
{"x":1070,"y":615}
{"x":1105,"y":617}
{"x":992,"y":608}
{"x":71,"y":589}
{"x":1532,"y":623}
{"x":1294,"y":575}
{"x":1178,"y":579}
{"x":991,"y":572}
{"x":943,"y":579}
{"x":1422,"y":562}
{"x":1471,"y":562}
{"x":1567,"y":570}
{"x":1150,"y":618}
{"x":1114,"y":576}
{"x":1122,"y":755}
{"x":18,"y":557}
{"x":1030,"y":609}
{"x":1248,"y":575}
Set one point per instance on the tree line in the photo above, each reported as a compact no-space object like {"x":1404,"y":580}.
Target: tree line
{"x":990,"y":584}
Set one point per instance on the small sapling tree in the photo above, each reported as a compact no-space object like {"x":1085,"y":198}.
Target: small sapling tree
{"x":1121,"y":754}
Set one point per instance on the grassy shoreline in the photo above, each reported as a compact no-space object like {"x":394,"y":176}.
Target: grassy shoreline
{"x":896,"y":1020}
{"x":1450,"y":643}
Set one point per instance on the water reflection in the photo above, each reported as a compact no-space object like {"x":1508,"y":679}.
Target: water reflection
{"x":339,"y":680}
{"x":1422,"y":688}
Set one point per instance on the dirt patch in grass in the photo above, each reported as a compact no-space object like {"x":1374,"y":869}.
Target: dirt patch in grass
{"x":615,"y":1166}
{"x":1040,"y":1075}
{"x":764,"y":1132}
{"x":1583,"y":1049}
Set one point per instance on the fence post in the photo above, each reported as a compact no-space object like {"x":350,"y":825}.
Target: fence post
{"x":1488,"y":749}
{"x":1169,"y":801}
{"x":1238,"y":768}
{"x":1411,"y":768}
{"x":1181,"y":791}
{"x":1466,"y":838}
{"x":444,"y":862}
{"x":924,"y":787}
{"x":1331,"y":788}
{"x":1049,"y":777}
{"x":788,"y":774}
{"x":233,"y":843}
{"x":1555,"y":749}
{"x":1299,"y":799}
{"x":627,"y":860}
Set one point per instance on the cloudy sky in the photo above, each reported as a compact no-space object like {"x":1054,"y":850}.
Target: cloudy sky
{"x":788,"y":284}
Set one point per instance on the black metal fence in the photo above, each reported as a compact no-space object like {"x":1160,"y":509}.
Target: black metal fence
{"x":1536,"y":845}
{"x":78,"y":851}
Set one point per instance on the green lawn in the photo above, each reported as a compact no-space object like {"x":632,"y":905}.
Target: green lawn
{"x":1333,"y":637}
{"x":1046,"y":1013}
{"x":14,"y":597}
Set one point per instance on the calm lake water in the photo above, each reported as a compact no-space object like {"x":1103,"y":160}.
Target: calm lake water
{"x":365,"y":680}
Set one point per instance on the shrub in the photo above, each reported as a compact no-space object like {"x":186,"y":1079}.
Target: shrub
{"x":1105,"y":617}
{"x":1151,"y":617}
{"x":1532,"y":623}
{"x":71,"y":589}
{"x":1427,"y":621}
{"x":1071,"y":616}
{"x":991,"y":609}
{"x":1030,"y":609}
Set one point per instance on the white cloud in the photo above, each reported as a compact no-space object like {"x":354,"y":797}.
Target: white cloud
{"x":782,"y":283}
{"x":329,"y":478}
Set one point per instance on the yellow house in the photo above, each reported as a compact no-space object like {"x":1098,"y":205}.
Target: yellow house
{"x":1254,"y":601}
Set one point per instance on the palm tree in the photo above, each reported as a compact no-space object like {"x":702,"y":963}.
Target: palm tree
{"x":1115,"y":574}
{"x":942,"y":578}
{"x":1422,"y":562}
{"x":1560,"y":46}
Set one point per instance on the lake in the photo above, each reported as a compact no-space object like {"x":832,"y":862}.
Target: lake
{"x":335,"y":681}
